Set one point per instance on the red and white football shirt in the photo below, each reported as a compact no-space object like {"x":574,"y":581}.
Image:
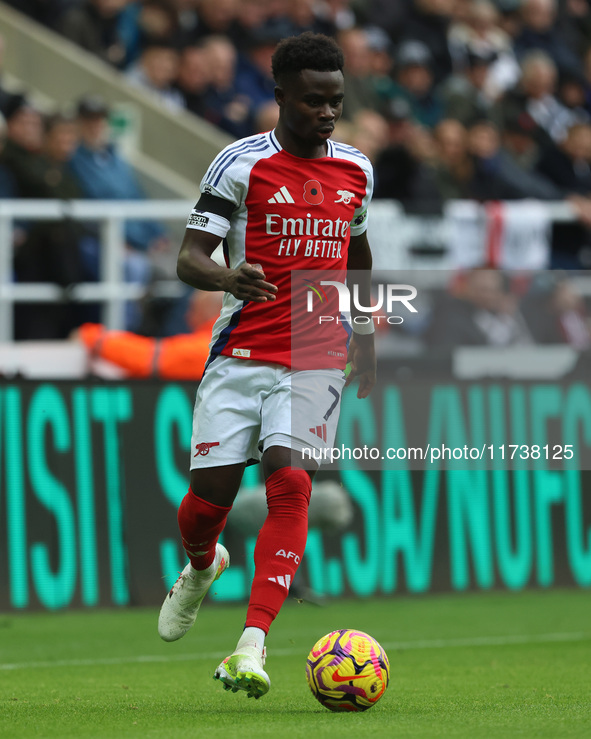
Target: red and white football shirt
{"x":290,"y":214}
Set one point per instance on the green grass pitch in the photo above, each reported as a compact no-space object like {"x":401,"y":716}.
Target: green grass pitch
{"x":482,"y":665}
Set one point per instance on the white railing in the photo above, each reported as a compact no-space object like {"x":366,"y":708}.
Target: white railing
{"x":112,"y":291}
{"x":516,"y":235}
{"x":399,"y":242}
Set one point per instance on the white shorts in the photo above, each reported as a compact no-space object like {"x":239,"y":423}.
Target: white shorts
{"x":243,"y":407}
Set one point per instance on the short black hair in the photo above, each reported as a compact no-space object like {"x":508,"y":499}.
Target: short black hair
{"x":307,"y":51}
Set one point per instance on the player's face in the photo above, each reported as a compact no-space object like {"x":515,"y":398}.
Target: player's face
{"x":310,"y":105}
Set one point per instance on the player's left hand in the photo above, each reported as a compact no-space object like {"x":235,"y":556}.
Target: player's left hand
{"x":362,"y":358}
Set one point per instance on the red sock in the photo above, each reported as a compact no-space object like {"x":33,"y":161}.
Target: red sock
{"x":280,"y":544}
{"x":200,"y":523}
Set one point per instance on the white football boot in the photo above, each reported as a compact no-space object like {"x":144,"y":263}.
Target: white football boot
{"x":244,"y":671}
{"x":180,"y":607}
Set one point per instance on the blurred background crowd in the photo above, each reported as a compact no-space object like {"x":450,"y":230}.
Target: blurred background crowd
{"x":449,"y":99}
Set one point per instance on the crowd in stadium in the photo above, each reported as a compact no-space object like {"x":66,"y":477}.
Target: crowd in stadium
{"x":478,"y":99}
{"x":449,"y":98}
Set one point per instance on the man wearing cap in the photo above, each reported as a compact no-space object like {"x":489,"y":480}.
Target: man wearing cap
{"x":464,"y":94}
{"x":428,"y":21}
{"x":105,"y":175}
{"x":415,"y":84}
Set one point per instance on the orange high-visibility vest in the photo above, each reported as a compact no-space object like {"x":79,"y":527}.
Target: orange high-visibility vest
{"x":180,"y":357}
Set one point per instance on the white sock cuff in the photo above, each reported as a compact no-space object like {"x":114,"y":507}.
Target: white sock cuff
{"x":252,"y":636}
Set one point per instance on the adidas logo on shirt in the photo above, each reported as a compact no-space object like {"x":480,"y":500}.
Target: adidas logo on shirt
{"x":281,"y":196}
{"x":284,"y":580}
{"x":319,"y":431}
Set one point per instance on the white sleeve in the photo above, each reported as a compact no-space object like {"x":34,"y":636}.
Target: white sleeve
{"x":359,"y":220}
{"x":227,"y":177}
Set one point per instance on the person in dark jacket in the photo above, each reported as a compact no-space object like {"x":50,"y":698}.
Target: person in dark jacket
{"x":497,"y":175}
{"x":540,"y":31}
{"x":568,"y":167}
{"x":478,"y":311}
{"x":104,"y":175}
{"x":51,"y":249}
{"x":97,"y":26}
{"x":428,"y":21}
{"x":7,"y":181}
{"x":414,"y":83}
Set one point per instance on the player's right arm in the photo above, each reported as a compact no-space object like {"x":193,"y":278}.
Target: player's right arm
{"x":208,"y":223}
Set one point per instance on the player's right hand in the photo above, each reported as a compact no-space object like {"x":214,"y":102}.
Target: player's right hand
{"x":248,"y":283}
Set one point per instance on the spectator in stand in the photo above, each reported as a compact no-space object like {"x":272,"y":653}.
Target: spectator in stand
{"x":225,"y":104}
{"x":266,"y":117}
{"x":400,"y":123}
{"x":253,"y":75}
{"x":536,"y":96}
{"x":368,"y":132}
{"x":510,"y":20}
{"x":389,"y":16}
{"x":464,"y":93}
{"x":157,"y":19}
{"x":339,"y":13}
{"x":572,"y":93}
{"x":472,"y":164}
{"x":454,"y":167}
{"x":104,"y":175}
{"x":51,"y":249}
{"x":556,"y":312}
{"x":519,"y":140}
{"x":415,"y":83}
{"x":568,"y":167}
{"x":60,"y":142}
{"x":541,"y":32}
{"x":481,"y":36}
{"x":496,"y":174}
{"x":575,"y":25}
{"x":381,"y":52}
{"x":24,"y":142}
{"x":219,"y":18}
{"x":479,"y":311}
{"x":99,"y":27}
{"x":251,"y":15}
{"x":428,"y":21}
{"x":586,"y":79}
{"x":7,"y":181}
{"x":404,"y":169}
{"x":180,"y":357}
{"x":359,"y":80}
{"x":147,"y":20}
{"x":156,"y":70}
{"x":193,"y":78}
{"x":308,"y":15}
{"x":37,"y":153}
{"x":188,"y":20}
{"x":382,"y":65}
{"x":519,"y":146}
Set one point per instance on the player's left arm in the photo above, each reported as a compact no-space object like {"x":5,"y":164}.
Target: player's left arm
{"x":362,"y":353}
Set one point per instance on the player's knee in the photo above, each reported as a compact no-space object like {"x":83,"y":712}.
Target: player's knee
{"x":218,"y":486}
